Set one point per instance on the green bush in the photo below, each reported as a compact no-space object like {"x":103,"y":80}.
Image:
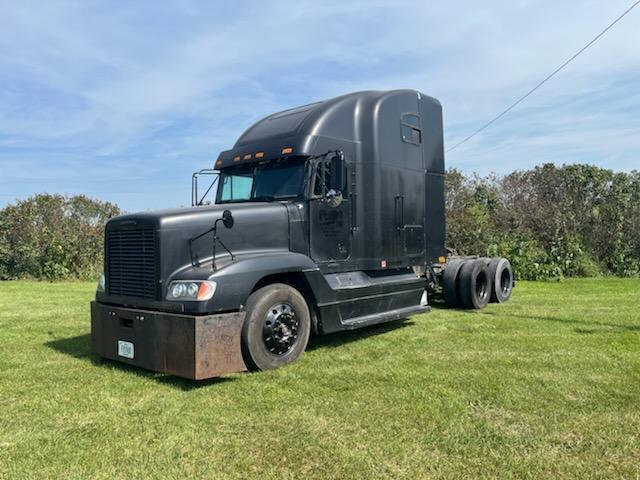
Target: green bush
{"x":574,"y":220}
{"x":53,"y":237}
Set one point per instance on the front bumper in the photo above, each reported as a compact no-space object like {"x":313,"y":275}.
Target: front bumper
{"x":195,"y":347}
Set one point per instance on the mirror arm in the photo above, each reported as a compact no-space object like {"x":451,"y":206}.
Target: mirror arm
{"x":217,"y":240}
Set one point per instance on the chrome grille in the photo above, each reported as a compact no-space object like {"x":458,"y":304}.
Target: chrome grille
{"x":131,"y":263}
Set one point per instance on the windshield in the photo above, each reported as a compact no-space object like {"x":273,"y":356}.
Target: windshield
{"x":262,"y":183}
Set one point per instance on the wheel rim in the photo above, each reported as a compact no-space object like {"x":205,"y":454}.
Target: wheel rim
{"x":280,"y":329}
{"x":481,"y":286}
{"x":505,"y":282}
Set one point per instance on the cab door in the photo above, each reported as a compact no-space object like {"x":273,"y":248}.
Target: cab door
{"x":330,"y":212}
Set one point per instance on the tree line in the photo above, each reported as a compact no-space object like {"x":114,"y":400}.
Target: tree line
{"x":549,"y":221}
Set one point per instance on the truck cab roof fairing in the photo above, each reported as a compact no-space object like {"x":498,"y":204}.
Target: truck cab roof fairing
{"x":351,"y":118}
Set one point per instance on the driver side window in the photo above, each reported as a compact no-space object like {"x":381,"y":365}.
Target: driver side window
{"x":322,"y":179}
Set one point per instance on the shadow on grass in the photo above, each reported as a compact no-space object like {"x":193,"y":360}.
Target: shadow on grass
{"x":580,"y":329}
{"x":440,"y":305}
{"x":337,"y":339}
{"x":80,"y":347}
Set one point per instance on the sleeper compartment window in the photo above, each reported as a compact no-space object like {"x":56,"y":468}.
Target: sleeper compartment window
{"x":410,"y":128}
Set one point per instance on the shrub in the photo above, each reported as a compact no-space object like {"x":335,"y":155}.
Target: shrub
{"x":53,"y":237}
{"x":574,"y":220}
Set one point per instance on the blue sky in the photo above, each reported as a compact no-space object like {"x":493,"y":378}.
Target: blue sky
{"x":124,"y":100}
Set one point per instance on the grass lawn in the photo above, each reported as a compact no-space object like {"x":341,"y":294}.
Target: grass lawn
{"x":545,"y":386}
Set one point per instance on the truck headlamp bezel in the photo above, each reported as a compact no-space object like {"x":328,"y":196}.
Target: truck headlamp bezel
{"x":191,"y":290}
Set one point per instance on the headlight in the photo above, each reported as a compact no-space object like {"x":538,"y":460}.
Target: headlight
{"x":178,"y":290}
{"x":191,"y":290}
{"x":101,"y":282}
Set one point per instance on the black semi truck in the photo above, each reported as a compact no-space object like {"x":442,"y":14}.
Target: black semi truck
{"x":327,"y":217}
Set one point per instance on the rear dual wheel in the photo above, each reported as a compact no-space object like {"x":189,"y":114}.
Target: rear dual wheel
{"x":502,"y":277}
{"x":450,"y":283}
{"x":472,"y":283}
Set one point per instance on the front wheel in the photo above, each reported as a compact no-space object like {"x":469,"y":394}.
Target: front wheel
{"x":276,"y":327}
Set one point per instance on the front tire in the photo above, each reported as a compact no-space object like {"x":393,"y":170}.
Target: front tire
{"x":276,"y":327}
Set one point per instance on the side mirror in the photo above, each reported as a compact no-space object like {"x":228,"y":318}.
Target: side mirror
{"x":227,"y":218}
{"x":337,"y":172}
{"x":333,"y":198}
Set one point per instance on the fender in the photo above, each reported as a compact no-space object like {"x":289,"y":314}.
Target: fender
{"x":236,"y":280}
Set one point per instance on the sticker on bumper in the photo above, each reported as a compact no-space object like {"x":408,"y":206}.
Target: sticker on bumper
{"x":125,"y":349}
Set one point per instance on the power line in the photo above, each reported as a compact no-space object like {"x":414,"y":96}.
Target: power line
{"x":514,"y":104}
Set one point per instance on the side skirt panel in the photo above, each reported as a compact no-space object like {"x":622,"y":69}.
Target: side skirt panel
{"x":356,"y":299}
{"x":384,"y":317}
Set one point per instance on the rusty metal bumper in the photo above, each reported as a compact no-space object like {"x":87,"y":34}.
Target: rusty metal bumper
{"x":195,"y":347}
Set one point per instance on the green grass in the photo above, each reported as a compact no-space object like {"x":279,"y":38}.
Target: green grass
{"x":545,"y":386}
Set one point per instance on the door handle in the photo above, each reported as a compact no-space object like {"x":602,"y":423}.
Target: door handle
{"x":399,"y":211}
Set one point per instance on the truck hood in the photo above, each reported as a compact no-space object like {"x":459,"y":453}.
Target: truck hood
{"x":258,"y":228}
